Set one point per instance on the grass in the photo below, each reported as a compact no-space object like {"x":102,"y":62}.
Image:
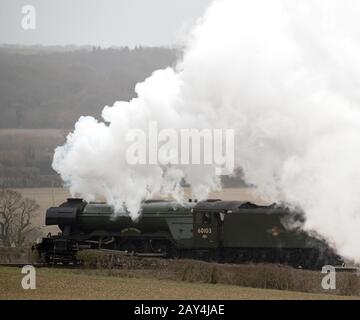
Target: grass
{"x":262,"y":276}
{"x":76,"y":284}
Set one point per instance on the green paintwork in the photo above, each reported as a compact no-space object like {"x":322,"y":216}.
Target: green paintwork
{"x":205,"y":225}
{"x":262,"y":227}
{"x":158,"y":218}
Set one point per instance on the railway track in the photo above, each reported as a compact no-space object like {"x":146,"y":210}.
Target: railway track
{"x":22,"y":264}
{"x":39,"y":265}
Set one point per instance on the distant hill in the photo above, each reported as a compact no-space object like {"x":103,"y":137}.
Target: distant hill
{"x":50,"y":87}
{"x":44,"y":90}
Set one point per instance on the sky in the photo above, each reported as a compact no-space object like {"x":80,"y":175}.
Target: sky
{"x":103,"y":23}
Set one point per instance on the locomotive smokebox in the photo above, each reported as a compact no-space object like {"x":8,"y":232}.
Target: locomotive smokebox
{"x":66,"y":213}
{"x":61,"y":216}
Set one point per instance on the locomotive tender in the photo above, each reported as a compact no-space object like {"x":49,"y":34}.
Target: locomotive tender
{"x":212,"y":230}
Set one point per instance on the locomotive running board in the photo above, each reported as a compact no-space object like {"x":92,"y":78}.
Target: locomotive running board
{"x":347,"y":269}
{"x":149,"y":255}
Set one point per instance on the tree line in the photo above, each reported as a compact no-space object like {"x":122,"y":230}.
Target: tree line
{"x":51,"y":89}
{"x":16,"y":219}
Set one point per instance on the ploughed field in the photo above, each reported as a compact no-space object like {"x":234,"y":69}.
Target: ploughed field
{"x":85,"y":284}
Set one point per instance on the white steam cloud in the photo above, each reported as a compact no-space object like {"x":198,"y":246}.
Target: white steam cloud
{"x":285,"y":75}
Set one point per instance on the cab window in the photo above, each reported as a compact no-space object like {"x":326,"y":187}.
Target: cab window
{"x":206,"y":218}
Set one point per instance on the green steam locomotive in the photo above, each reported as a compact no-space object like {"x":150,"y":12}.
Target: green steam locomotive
{"x":211,"y":230}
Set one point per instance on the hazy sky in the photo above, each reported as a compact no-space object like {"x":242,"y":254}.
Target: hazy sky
{"x":100,"y":22}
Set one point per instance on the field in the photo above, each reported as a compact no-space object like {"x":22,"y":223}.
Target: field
{"x":45,"y":197}
{"x":75,"y":284}
{"x":21,"y":138}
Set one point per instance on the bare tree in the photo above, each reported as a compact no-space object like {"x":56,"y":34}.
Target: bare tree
{"x":16,"y":214}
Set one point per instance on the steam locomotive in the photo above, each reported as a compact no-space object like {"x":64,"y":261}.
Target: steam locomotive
{"x":211,"y":230}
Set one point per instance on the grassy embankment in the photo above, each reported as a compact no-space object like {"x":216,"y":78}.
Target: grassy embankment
{"x":72,"y":284}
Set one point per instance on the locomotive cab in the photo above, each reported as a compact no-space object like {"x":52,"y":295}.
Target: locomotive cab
{"x":209,"y":217}
{"x":207,"y":229}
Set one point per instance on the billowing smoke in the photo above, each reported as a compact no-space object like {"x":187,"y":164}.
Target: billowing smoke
{"x":285,"y":75}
